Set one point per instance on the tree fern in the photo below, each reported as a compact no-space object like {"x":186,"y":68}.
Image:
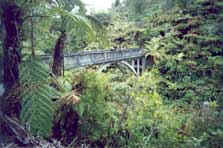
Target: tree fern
{"x":37,"y":105}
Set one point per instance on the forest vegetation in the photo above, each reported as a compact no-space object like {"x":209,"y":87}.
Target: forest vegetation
{"x":175,"y":103}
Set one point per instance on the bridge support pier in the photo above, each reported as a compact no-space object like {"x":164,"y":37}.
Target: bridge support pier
{"x":139,"y":65}
{"x":143,"y":64}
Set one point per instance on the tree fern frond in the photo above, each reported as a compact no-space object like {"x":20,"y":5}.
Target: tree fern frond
{"x":75,"y":21}
{"x":26,"y":112}
{"x":41,"y":72}
{"x":38,"y":63}
{"x":48,"y":91}
{"x":37,"y":95}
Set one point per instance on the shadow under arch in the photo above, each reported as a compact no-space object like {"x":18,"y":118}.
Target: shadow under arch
{"x":124,"y":63}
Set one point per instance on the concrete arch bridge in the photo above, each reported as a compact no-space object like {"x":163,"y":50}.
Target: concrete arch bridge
{"x":133,"y":59}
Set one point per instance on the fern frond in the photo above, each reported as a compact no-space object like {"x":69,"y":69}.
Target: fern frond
{"x":37,"y":95}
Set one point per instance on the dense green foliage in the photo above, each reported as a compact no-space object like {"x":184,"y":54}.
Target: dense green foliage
{"x":176,"y":103}
{"x":191,"y":50}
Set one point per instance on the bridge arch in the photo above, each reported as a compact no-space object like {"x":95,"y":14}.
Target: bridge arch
{"x":124,"y":63}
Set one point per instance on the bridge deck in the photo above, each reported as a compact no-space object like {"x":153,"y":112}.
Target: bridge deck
{"x":85,"y":58}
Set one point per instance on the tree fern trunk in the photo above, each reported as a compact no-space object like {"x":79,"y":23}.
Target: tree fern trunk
{"x":12,"y":20}
{"x":58,"y":57}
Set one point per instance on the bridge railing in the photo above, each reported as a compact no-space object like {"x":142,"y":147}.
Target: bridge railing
{"x":85,"y":58}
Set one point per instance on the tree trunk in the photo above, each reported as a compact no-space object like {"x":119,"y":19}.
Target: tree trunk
{"x":58,"y":57}
{"x":12,"y":20}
